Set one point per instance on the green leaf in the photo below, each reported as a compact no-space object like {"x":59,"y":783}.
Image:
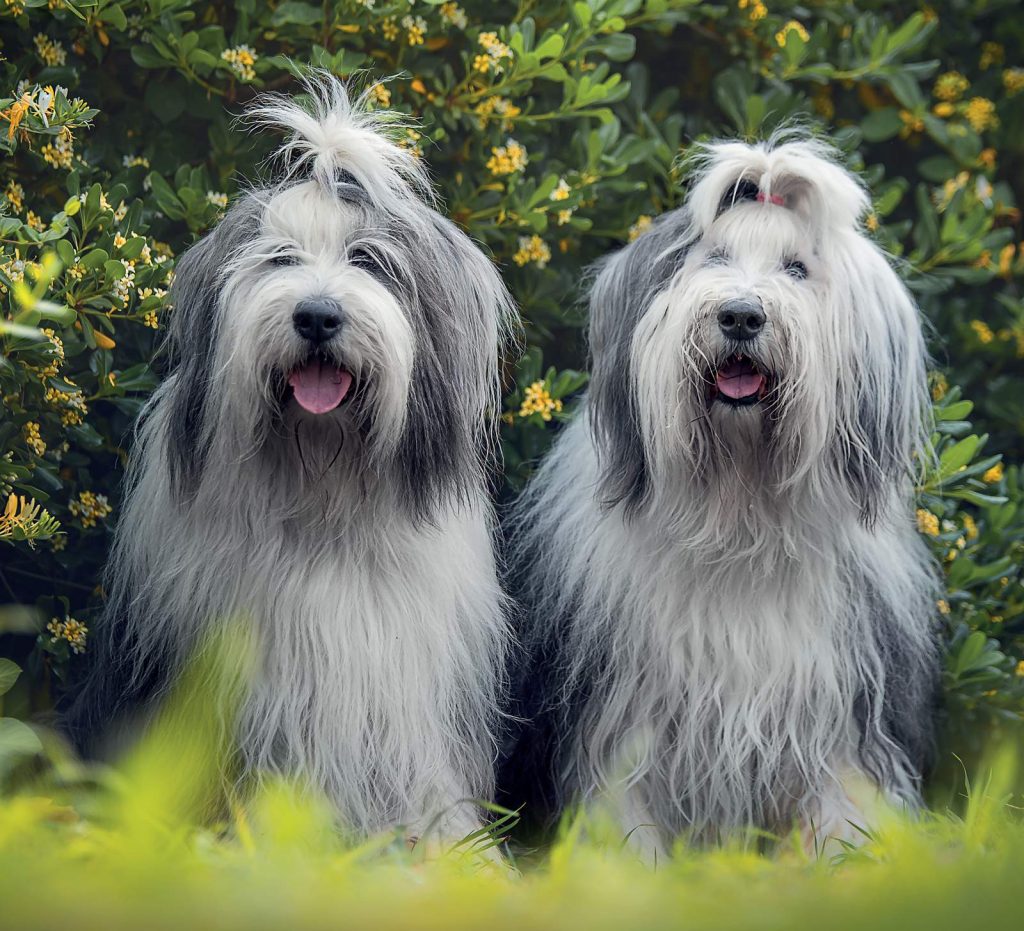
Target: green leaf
{"x":958,"y":455}
{"x":302,"y":14}
{"x":9,"y":672}
{"x":147,"y":57}
{"x":881,"y":124}
{"x":18,"y":742}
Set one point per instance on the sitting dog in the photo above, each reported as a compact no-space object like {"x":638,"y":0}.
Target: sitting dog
{"x":730,"y":614}
{"x":315,"y":465}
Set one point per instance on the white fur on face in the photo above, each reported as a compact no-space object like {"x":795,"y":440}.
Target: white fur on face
{"x":319,"y":234}
{"x":737,"y":605}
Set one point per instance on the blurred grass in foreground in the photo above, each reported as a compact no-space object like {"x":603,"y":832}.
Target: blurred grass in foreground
{"x":154,"y":843}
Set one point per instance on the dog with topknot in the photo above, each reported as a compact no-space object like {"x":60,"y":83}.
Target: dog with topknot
{"x":729,"y":612}
{"x":315,"y":465}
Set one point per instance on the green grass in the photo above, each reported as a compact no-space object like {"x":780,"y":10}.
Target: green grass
{"x":74,"y":856}
{"x":135,"y":846}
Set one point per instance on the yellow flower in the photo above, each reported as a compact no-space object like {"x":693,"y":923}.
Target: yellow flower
{"x":15,"y":113}
{"x":872,"y":221}
{"x":90,"y":508}
{"x":24,"y":518}
{"x":970,"y":527}
{"x":756,"y":9}
{"x":1013,"y":80}
{"x":564,"y":216}
{"x":992,"y":53}
{"x":942,"y":605}
{"x":241,"y":59}
{"x":15,"y":195}
{"x":415,"y":27}
{"x":35,"y":221}
{"x":33,"y":440}
{"x":381,"y":95}
{"x":150,"y":319}
{"x":561,"y":191}
{"x":454,"y":15}
{"x":50,"y":51}
{"x":59,"y":152}
{"x":1020,"y":668}
{"x":496,"y":53}
{"x":532,"y":249}
{"x":508,"y":158}
{"x":927,"y":522}
{"x":641,"y":226}
{"x":950,"y":86}
{"x":74,"y":632}
{"x":944,"y":109}
{"x":389,"y":29}
{"x":217,"y":199}
{"x":911,"y":123}
{"x":1006,"y":259}
{"x":987,"y":158}
{"x":983,"y":331}
{"x":939,"y":386}
{"x":994,"y":474}
{"x":537,"y":400}
{"x":981,"y":114}
{"x":791,"y":26}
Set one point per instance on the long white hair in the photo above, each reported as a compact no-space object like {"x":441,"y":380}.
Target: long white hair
{"x":355,"y":542}
{"x":728,"y":606}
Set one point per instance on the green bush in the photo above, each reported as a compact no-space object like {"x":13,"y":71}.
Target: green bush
{"x":554,"y":131}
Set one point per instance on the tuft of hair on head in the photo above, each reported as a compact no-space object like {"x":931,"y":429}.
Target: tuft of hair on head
{"x":339,"y":140}
{"x":799,"y":174}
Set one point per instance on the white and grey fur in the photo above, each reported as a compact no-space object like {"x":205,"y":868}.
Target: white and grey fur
{"x":357,"y":544}
{"x":729,"y":610}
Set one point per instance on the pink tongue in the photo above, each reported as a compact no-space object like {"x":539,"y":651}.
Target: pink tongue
{"x":319,"y":387}
{"x":738,"y":379}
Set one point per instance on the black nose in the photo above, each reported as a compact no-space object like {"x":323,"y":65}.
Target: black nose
{"x":317,"y":321}
{"x":740,"y":319}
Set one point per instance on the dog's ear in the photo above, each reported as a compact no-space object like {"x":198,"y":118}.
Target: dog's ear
{"x":462,"y":316}
{"x":192,"y":340}
{"x":882,"y":393}
{"x":623,"y":286}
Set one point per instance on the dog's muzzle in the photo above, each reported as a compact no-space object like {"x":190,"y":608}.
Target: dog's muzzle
{"x":319,"y":385}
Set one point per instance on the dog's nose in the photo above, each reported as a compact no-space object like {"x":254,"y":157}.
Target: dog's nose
{"x":317,"y":321}
{"x":740,"y":319}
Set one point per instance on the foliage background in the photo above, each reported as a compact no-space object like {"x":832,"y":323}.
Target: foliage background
{"x":554,"y":131}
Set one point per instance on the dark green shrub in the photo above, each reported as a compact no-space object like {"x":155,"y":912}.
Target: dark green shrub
{"x":554,"y":131}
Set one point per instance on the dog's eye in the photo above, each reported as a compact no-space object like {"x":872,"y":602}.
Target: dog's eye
{"x":795,"y":269}
{"x":284,"y":258}
{"x":361,"y":258}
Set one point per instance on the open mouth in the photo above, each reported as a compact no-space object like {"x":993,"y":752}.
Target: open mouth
{"x":739,"y":381}
{"x":319,"y":385}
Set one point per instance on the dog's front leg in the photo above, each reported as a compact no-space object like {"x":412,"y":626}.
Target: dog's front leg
{"x":442,"y":823}
{"x":846,"y":813}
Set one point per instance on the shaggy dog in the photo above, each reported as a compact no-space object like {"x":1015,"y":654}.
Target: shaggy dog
{"x":315,"y":464}
{"x":729,"y":610}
